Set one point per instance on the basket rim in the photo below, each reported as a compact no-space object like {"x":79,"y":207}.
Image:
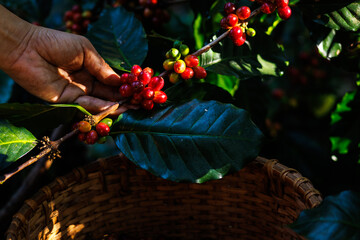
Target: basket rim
{"x":277,"y":172}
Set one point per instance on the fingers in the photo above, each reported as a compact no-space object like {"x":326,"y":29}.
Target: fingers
{"x":83,"y":83}
{"x":105,"y":92}
{"x":96,"y":65}
{"x":96,"y":105}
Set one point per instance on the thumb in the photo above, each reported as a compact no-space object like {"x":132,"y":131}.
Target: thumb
{"x":97,"y":66}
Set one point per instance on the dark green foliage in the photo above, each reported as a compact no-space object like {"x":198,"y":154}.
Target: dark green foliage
{"x":337,"y":218}
{"x":184,"y":142}
{"x":120,"y":38}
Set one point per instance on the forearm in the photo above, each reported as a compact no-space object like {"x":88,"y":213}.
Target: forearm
{"x":14,"y":36}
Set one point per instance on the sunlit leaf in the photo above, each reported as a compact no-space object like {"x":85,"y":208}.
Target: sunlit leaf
{"x":14,"y":143}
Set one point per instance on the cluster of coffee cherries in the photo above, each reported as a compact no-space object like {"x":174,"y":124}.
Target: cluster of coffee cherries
{"x":76,"y":20}
{"x":150,"y":12}
{"x":142,"y":87}
{"x":282,"y":6}
{"x":186,"y":68}
{"x":235,"y":20}
{"x":91,"y":135}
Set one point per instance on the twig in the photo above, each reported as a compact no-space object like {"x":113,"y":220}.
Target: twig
{"x":52,"y":146}
{"x":17,"y":199}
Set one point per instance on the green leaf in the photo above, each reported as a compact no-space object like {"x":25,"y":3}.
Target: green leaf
{"x":346,"y":18}
{"x":337,"y":218}
{"x":198,"y":36}
{"x":328,"y":48}
{"x":214,"y":174}
{"x":340,"y":144}
{"x":119,"y":38}
{"x":342,"y":106}
{"x":345,"y":127}
{"x":38,"y":118}
{"x":14,"y":143}
{"x":259,"y":56}
{"x":184,"y":142}
{"x":228,"y":83}
{"x":6,"y":84}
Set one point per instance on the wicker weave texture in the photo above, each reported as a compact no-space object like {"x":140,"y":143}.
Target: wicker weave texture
{"x":113,"y":196}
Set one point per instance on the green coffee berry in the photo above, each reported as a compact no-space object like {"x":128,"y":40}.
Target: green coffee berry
{"x":173,"y":53}
{"x":168,"y":64}
{"x":250,"y":32}
{"x":184,"y":49}
{"x":174,"y":77}
{"x":107,"y":121}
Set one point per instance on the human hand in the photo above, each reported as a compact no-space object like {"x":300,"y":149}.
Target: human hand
{"x":64,"y":68}
{"x":55,"y":66}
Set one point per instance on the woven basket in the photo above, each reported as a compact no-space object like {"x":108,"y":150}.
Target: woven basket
{"x":114,"y":196}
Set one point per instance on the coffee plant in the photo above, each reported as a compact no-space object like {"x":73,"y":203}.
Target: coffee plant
{"x":211,"y":85}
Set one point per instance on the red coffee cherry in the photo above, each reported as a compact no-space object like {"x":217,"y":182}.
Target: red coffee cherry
{"x":144,"y":77}
{"x":148,"y":93}
{"x":243,"y":12}
{"x":191,"y":61}
{"x":160,"y":97}
{"x":84,"y":126}
{"x":152,"y":2}
{"x":267,"y":8}
{"x":199,"y":72}
{"x":136,"y":70}
{"x":126,"y":90}
{"x":147,"y":104}
{"x":282,"y":3}
{"x":76,"y":8}
{"x":137,"y":98}
{"x":124,"y":78}
{"x":223,"y":23}
{"x":187,"y":74}
{"x":179,"y":66}
{"x":137,"y":86}
{"x":284,"y":13}
{"x":149,"y":70}
{"x":232,"y":20}
{"x":132,"y":78}
{"x":240,"y":41}
{"x":91,"y":137}
{"x":76,"y":28}
{"x":229,"y":8}
{"x":156,"y":83}
{"x":68,"y":15}
{"x":235,"y":33}
{"x":102,"y":129}
{"x":77,"y":17}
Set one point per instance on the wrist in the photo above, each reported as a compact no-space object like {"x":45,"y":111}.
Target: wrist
{"x":15,"y":35}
